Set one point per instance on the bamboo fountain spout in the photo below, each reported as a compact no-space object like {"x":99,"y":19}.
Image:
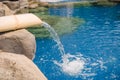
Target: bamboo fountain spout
{"x":21,"y":21}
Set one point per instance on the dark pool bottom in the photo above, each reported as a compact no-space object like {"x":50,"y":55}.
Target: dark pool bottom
{"x":97,"y":43}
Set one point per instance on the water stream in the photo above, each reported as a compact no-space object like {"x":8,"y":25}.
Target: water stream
{"x":54,"y":35}
{"x":70,"y":64}
{"x":91,"y":52}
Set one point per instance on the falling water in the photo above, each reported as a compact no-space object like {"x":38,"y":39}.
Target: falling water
{"x":55,"y":37}
{"x":69,"y":10}
{"x":70,"y":64}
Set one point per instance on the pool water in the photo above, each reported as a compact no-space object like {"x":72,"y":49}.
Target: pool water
{"x":97,"y":43}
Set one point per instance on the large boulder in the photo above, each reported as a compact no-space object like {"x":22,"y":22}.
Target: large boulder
{"x":20,"y":42}
{"x":10,"y":7}
{"x":44,"y":4}
{"x":4,"y":10}
{"x":18,"y":67}
{"x":23,"y":3}
{"x":33,"y":6}
{"x":13,"y":5}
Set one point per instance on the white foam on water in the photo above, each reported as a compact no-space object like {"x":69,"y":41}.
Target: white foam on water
{"x":75,"y":65}
{"x":71,"y":65}
{"x":80,"y":66}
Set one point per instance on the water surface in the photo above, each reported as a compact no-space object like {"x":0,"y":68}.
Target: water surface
{"x":97,"y":42}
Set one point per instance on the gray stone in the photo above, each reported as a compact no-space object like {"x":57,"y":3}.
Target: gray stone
{"x":12,"y":4}
{"x":18,"y":67}
{"x":33,"y":6}
{"x":20,"y":42}
{"x":23,"y":3}
{"x":4,"y":10}
{"x":10,"y":7}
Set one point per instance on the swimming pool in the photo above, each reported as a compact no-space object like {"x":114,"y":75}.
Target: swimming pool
{"x":97,"y":42}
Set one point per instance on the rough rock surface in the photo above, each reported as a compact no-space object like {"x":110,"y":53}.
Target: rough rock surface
{"x":33,"y":6}
{"x":4,"y":10}
{"x":20,"y":42}
{"x":12,"y":4}
{"x":10,"y":7}
{"x":23,"y":3}
{"x":18,"y":67}
{"x":43,"y":4}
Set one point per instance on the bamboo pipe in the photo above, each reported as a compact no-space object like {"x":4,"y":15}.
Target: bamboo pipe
{"x":15,"y":22}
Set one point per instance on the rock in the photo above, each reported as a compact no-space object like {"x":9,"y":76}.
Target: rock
{"x":23,"y":3}
{"x":18,"y":67}
{"x":33,"y":6}
{"x":23,"y":7}
{"x":10,"y":7}
{"x":20,"y":42}
{"x":2,"y":13}
{"x":49,"y":0}
{"x":12,"y":4}
{"x":4,"y":10}
{"x":43,"y":4}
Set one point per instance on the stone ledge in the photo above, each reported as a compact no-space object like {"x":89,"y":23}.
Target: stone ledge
{"x":18,"y":67}
{"x":20,"y":42}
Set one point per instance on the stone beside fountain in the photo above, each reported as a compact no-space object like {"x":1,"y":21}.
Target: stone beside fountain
{"x":19,"y":42}
{"x":9,"y":7}
{"x":18,"y":67}
{"x":17,"y":47}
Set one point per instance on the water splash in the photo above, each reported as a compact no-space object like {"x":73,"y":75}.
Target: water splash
{"x":70,"y":64}
{"x":75,"y":65}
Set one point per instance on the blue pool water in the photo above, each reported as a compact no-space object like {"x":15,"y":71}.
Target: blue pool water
{"x":97,"y":42}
